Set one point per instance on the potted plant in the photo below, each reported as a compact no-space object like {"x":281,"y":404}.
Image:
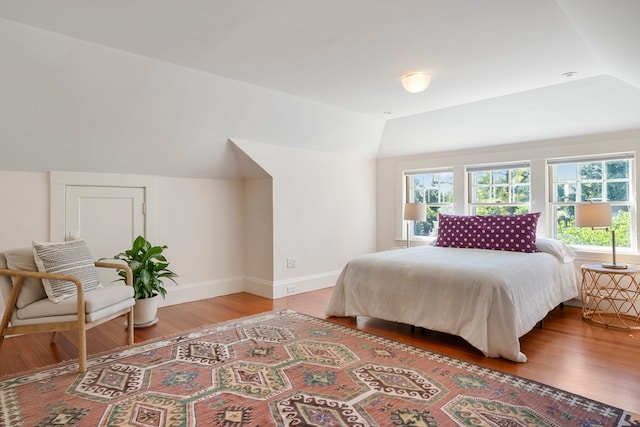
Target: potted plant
{"x":149,"y":268}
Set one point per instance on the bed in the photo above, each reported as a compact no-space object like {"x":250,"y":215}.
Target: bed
{"x":488,"y":297}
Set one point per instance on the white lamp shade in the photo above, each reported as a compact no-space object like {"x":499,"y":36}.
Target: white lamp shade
{"x":415,"y":211}
{"x":416,"y":82}
{"x":593,"y":214}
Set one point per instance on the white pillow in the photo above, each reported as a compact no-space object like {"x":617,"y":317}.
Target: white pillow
{"x":73,"y":258}
{"x":556,"y":248}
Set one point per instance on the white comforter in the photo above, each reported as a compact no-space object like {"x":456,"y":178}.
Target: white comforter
{"x":489,"y":298}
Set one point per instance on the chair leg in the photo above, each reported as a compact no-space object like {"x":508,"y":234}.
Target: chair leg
{"x":3,"y":328}
{"x":130,"y":327}
{"x":2,"y":332}
{"x":54,"y":337}
{"x":8,"y":309}
{"x":82,"y":349}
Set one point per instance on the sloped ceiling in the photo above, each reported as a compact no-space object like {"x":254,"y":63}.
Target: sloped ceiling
{"x":498,"y":66}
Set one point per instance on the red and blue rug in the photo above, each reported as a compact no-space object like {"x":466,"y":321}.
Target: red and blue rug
{"x":288,"y":369}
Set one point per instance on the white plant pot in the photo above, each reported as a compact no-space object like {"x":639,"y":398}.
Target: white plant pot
{"x":144,"y":312}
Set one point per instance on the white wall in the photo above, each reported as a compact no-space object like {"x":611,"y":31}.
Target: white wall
{"x":71,"y":105}
{"x":24,"y":215}
{"x":323,"y":213}
{"x":390,"y":230}
{"x":258,"y":235}
{"x":201,"y":220}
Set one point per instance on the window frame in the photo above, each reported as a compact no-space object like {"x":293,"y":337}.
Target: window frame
{"x":552,"y":205}
{"x":410,"y":192}
{"x":471,"y":205}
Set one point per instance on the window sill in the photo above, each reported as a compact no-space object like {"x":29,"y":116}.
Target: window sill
{"x":627,"y":257}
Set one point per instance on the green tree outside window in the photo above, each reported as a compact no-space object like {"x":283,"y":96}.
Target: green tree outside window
{"x":500,"y":191}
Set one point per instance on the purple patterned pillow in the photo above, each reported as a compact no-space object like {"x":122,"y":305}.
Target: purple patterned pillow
{"x":515,"y":233}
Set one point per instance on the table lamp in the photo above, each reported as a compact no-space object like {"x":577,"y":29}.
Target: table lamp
{"x":414,"y":212}
{"x":598,"y":215}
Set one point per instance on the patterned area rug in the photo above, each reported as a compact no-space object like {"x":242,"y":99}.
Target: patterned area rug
{"x":288,"y":369}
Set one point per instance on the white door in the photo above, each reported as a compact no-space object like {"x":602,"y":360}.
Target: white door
{"x":107,"y":218}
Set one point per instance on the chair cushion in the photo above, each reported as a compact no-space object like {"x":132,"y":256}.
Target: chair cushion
{"x":32,"y":288}
{"x":95,"y":300}
{"x":72,"y":258}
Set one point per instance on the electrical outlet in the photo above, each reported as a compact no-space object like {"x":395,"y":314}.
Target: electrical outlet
{"x":291,"y":289}
{"x":291,"y":263}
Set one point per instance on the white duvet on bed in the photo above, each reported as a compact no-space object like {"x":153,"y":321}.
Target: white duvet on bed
{"x":489,"y":298}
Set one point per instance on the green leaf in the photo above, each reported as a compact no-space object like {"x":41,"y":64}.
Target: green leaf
{"x":149,"y":266}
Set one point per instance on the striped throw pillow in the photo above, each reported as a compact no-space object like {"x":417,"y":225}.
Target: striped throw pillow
{"x":73,"y":258}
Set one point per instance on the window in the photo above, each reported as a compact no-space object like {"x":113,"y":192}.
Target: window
{"x":499,"y":189}
{"x":435,"y":189}
{"x":603,"y":178}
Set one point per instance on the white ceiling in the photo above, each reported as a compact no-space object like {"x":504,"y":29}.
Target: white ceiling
{"x":352,"y":53}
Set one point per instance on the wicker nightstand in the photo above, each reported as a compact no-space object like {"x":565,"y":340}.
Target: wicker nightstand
{"x":611,"y":297}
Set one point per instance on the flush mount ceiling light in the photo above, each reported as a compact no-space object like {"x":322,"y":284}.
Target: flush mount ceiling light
{"x":416,"y":82}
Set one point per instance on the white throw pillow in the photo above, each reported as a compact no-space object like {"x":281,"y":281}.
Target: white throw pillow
{"x":72,"y":258}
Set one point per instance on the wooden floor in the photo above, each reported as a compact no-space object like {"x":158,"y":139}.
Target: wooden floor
{"x":567,"y":353}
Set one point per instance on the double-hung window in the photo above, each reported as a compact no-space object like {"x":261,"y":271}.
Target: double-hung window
{"x":606,"y":178}
{"x":435,"y":189}
{"x":499,"y":189}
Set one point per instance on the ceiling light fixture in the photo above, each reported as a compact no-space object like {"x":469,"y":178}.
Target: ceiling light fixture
{"x":416,"y":82}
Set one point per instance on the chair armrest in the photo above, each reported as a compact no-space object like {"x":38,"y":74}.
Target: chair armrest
{"x":118,"y":266}
{"x":21,"y":274}
{"x":39,"y":275}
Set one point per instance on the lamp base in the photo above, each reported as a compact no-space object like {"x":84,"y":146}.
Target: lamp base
{"x":614,"y":266}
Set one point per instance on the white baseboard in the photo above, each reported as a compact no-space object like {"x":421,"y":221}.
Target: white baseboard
{"x":260,"y":287}
{"x":284,"y":288}
{"x":253,"y":285}
{"x":203,"y":290}
{"x":303,"y":284}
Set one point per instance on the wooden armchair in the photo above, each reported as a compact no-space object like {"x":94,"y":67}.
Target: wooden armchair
{"x":30,"y":313}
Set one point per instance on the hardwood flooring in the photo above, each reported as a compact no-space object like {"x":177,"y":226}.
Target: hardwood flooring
{"x":568,"y":353}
